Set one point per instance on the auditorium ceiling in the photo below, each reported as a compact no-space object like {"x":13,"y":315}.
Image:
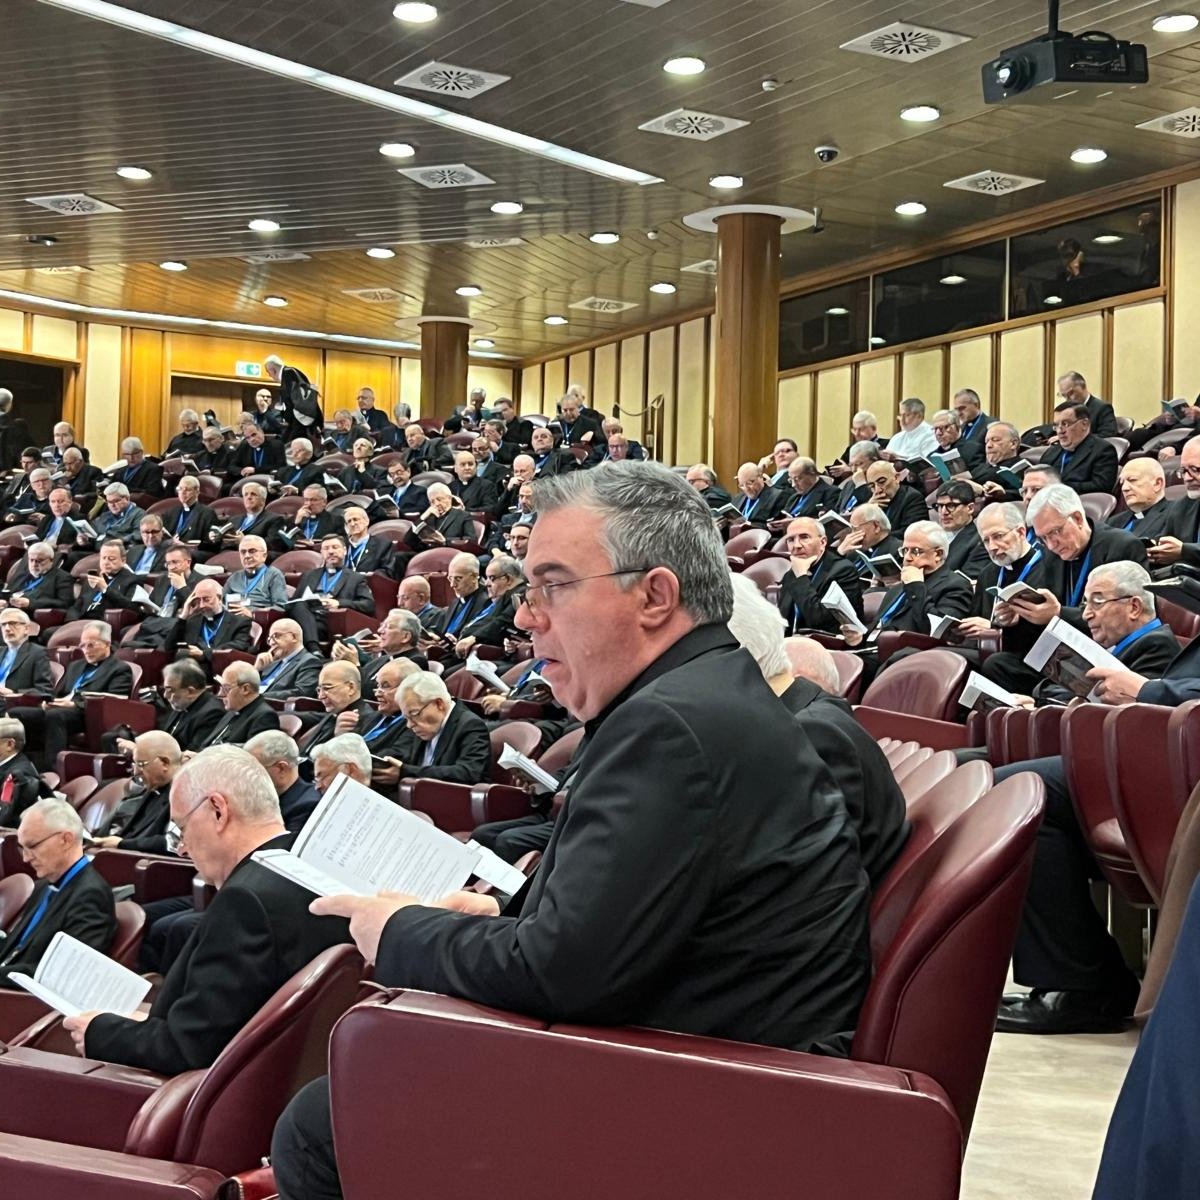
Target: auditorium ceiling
{"x":227,"y":143}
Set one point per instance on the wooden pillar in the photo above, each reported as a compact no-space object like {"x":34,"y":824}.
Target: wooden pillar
{"x":443,"y":364}
{"x":747,"y":340}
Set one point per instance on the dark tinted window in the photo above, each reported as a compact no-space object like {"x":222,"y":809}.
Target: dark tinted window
{"x":823,"y":325}
{"x":1089,"y":259}
{"x":957,"y":291}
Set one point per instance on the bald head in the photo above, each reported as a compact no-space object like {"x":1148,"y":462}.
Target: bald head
{"x":810,"y":660}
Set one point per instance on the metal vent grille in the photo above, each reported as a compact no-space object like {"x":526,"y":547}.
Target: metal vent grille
{"x":600,"y":304}
{"x":697,"y":126}
{"x":446,"y":175}
{"x":62,"y":270}
{"x":494,"y":243}
{"x":377,"y":295}
{"x":448,"y":80}
{"x":73,"y":204}
{"x":902,"y":42}
{"x":1185,"y":123}
{"x":707,"y":266}
{"x":276,"y":256}
{"x":993,"y":183}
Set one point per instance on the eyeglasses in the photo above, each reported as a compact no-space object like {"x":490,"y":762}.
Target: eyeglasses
{"x":1055,"y":534}
{"x":328,"y":687}
{"x":1062,"y":426}
{"x":415,"y":715}
{"x":26,"y":851}
{"x":947,"y":505}
{"x":1190,"y":472}
{"x":1098,"y":602}
{"x":538,"y":596}
{"x":177,"y":829}
{"x":913,"y":551}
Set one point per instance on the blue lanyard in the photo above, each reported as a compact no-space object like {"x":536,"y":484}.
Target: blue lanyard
{"x":1033,"y":561}
{"x":35,"y":581}
{"x":458,"y":617}
{"x":966,"y":429}
{"x":327,"y":584}
{"x":183,"y":520}
{"x":853,"y":502}
{"x":1081,"y":580}
{"x":252,"y":580}
{"x":382,"y":727}
{"x":537,"y":666}
{"x":355,"y":553}
{"x":129,"y":472}
{"x":487,"y":612}
{"x":276,"y":669}
{"x":7,"y":665}
{"x":47,"y":896}
{"x":145,"y":563}
{"x":895,"y":604}
{"x":208,"y":634}
{"x":800,"y":504}
{"x":258,"y":453}
{"x":1129,"y":639}
{"x":1066,"y":458}
{"x":310,"y":526}
{"x":296,"y":474}
{"x":84,"y":678}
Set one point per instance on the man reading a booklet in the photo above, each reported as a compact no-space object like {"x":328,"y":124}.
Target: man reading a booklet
{"x":252,"y":938}
{"x":677,"y":890}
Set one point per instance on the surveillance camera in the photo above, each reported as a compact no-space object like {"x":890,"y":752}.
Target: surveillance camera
{"x":771,"y":85}
{"x":826,"y":154}
{"x":42,"y":239}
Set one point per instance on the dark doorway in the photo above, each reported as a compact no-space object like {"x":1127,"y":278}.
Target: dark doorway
{"x":37,"y":395}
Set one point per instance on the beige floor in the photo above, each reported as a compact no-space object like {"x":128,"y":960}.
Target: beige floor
{"x":1042,"y":1115}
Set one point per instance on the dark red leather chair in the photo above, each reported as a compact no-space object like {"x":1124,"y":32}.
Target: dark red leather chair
{"x":767,"y":572}
{"x":925,"y":685}
{"x":915,"y":781}
{"x":743,"y":547}
{"x":102,"y":803}
{"x":850,"y":669}
{"x":903,"y":760}
{"x":77,"y":790}
{"x":14,"y":891}
{"x":1099,"y":505}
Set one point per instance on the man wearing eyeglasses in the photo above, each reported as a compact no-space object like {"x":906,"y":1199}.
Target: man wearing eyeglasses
{"x":140,"y":821}
{"x":246,"y":712}
{"x":955,"y":511}
{"x":814,"y":568}
{"x":445,"y":740}
{"x":1181,"y":540}
{"x":24,"y":666}
{"x":69,"y":897}
{"x":1084,"y":460}
{"x":1073,"y":389}
{"x":39,"y":583}
{"x":339,"y":689}
{"x":903,"y":504}
{"x":960,"y":455}
{"x":1147,"y":511}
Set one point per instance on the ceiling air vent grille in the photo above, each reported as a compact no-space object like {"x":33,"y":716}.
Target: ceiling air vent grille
{"x":494,"y":243}
{"x":448,"y":80}
{"x":376,"y":295}
{"x":1185,"y":123}
{"x":706,"y":267}
{"x":73,"y":204}
{"x":697,"y":126}
{"x":599,"y":304}
{"x":902,"y":42}
{"x":62,"y":270}
{"x":993,"y":183}
{"x":446,"y":175}
{"x":276,"y":256}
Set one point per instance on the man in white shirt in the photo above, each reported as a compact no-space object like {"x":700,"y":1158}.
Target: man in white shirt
{"x":915,"y":439}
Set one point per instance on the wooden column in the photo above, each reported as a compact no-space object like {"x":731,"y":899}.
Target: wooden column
{"x":747,"y":340}
{"x":443,"y":364}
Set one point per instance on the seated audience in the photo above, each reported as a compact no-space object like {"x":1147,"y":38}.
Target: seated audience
{"x":424,"y":453}
{"x":973,"y":421}
{"x":810,"y":495}
{"x":477,"y":493}
{"x":139,"y":474}
{"x":111,"y":586}
{"x":443,"y":521}
{"x":578,"y":426}
{"x":1180,"y":542}
{"x":362,"y":475}
{"x":864,"y":428}
{"x":56,"y":526}
{"x":188,"y":439}
{"x":336,"y":587}
{"x":775,"y":464}
{"x":406,"y":496}
{"x":299,"y":470}
{"x":38,"y":582}
{"x":80,"y":478}
{"x":814,"y":567}
{"x":414,"y":595}
{"x":547,"y":459}
{"x":1083,"y":460}
{"x":955,"y":509}
{"x":1001,"y":452}
{"x":346,"y":754}
{"x":256,"y":521}
{"x":704,"y":479}
{"x":502,"y":579}
{"x":870,"y":534}
{"x":758,"y":502}
{"x":208,"y":626}
{"x":193,"y":711}
{"x":1147,"y":511}
{"x":384,"y":733}
{"x":960,"y":456}
{"x":28,"y":505}
{"x":365,"y":553}
{"x":120,"y":517}
{"x":339,"y":688}
{"x":24,"y":667}
{"x":217,"y":457}
{"x":903,"y":504}
{"x":397,"y":637}
{"x":1073,"y":389}
{"x":256,"y":454}
{"x":443,"y":739}
{"x":148,"y":554}
{"x":915,"y":439}
{"x":140,"y":820}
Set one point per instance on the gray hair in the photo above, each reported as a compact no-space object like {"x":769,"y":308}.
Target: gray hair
{"x":131,"y":445}
{"x":508,"y":567}
{"x":345,"y":748}
{"x":867,"y":450}
{"x":425,"y":686}
{"x":40,"y":548}
{"x":151,"y":519}
{"x":810,"y":660}
{"x":409,"y":622}
{"x":185,"y":673}
{"x":971,"y":394}
{"x":710,"y":476}
{"x":913,"y":404}
{"x":318,"y":490}
{"x":188,"y":483}
{"x":932,"y":532}
{"x":402,"y":411}
{"x":1074,"y":377}
{"x":758,"y":627}
{"x":465,"y":562}
{"x":102,"y":629}
{"x":437,"y":489}
{"x":1010,"y":514}
{"x":303,"y":443}
{"x":1013,"y":431}
{"x":947,"y":416}
{"x":1062,"y":499}
{"x":255,"y":489}
{"x":189,"y":414}
{"x":58,"y":816}
{"x":863,"y":417}
{"x":243,"y":672}
{"x":113,"y":489}
{"x":10,"y":727}
{"x":651,"y":518}
{"x":233,"y":773}
{"x":6,"y":400}
{"x":873,"y":512}
{"x":1129,"y":578}
{"x":40,"y":474}
{"x":273,"y":745}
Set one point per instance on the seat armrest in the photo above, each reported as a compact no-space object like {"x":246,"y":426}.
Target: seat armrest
{"x":499,"y":802}
{"x":18,"y":1010}
{"x":156,"y":878}
{"x":938,"y":735}
{"x":120,"y":867}
{"x":448,"y":805}
{"x":891,"y":640}
{"x":346,"y":621}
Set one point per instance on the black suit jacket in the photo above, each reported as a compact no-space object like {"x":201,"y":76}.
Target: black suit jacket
{"x":185,"y":444}
{"x":970,"y":450}
{"x":369,"y":669}
{"x":66,"y":534}
{"x":1153,"y":523}
{"x":145,"y":477}
{"x":296,"y":804}
{"x":1183,"y":522}
{"x":393,"y":739}
{"x":967,"y":553}
{"x":194,"y":528}
{"x":454,"y":524}
{"x":1106,"y":545}
{"x":760,"y":935}
{"x":87,"y":483}
{"x":155,"y":565}
{"x":30,"y":670}
{"x":474,"y":604}
{"x":859,"y":768}
{"x":84,"y":909}
{"x":232,"y":634}
{"x":375,"y":554}
{"x":192,"y":727}
{"x":324,"y":728}
{"x":219,"y":463}
{"x":298,"y":677}
{"x":325,"y":523}
{"x":143,"y":825}
{"x":943,"y":592}
{"x":987,"y":472}
{"x":978,"y":429}
{"x":819,"y":498}
{"x":414,"y":500}
{"x":57,"y":589}
{"x":252,"y":938}
{"x":518,"y":434}
{"x":266,"y":463}
{"x":765,"y":507}
{"x":462,"y":755}
{"x":92,"y":604}
{"x":1090,"y":467}
{"x":26,"y":787}
{"x":555,"y":462}
{"x":267,"y":525}
{"x":905,"y":508}
{"x":350,"y":591}
{"x":490,"y":627}
{"x":1104,"y":418}
{"x":14,"y":437}
{"x":478,"y":494}
{"x":1150,"y":656}
{"x":237,"y":728}
{"x":290,"y":475}
{"x":800,"y":595}
{"x":112,"y":675}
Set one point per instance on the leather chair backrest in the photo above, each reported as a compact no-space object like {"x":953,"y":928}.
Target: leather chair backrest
{"x":767,"y":571}
{"x":15,"y":890}
{"x":522,"y":736}
{"x":1086,"y":771}
{"x":850,"y":670}
{"x":1045,"y":732}
{"x":436,"y":559}
{"x":747,"y":540}
{"x":127,"y":941}
{"x":102,"y":803}
{"x":931,"y":1006}
{"x":223,"y":1117}
{"x":227,"y":560}
{"x":236,"y":491}
{"x":462,"y":685}
{"x":89,"y":564}
{"x":1098,"y":505}
{"x":1183,"y":748}
{"x":1183,"y":622}
{"x":558,"y":754}
{"x":298,"y":561}
{"x":916,"y":782}
{"x":290,"y":724}
{"x":425,"y":478}
{"x":78,"y":790}
{"x":910,"y":762}
{"x":286,"y":506}
{"x":66,"y":635}
{"x":897,"y":752}
{"x":925,"y":684}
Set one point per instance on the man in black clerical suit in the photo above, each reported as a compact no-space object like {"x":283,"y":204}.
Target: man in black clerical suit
{"x":194,"y":712}
{"x":549,"y":459}
{"x":218,"y":456}
{"x":518,"y":432}
{"x":339,"y":688}
{"x":1180,"y":541}
{"x":189,"y":520}
{"x":404,"y":495}
{"x":814,"y":568}
{"x":955,"y":510}
{"x":444,"y":739}
{"x":443,"y":522}
{"x":280,"y":756}
{"x":295,"y":475}
{"x":903,"y":504}
{"x":38,"y":583}
{"x":20,"y":782}
{"x":252,"y":938}
{"x":575,"y":427}
{"x":99,"y":670}
{"x":313,"y":519}
{"x":704,"y":479}
{"x":1147,"y":511}
{"x":188,"y":440}
{"x":1002,"y":451}
{"x":757,"y":501}
{"x":14,"y":433}
{"x":423,"y":453}
{"x":1073,"y":389}
{"x":396,"y":638}
{"x":109,"y":586}
{"x":209,"y":626}
{"x":1083,"y":459}
{"x":82,"y":480}
{"x":24,"y":667}
{"x":285,"y":667}
{"x":385,"y":733}
{"x":810,"y":495}
{"x":255,"y":521}
{"x":477,"y":492}
{"x":30,"y":504}
{"x":140,"y":821}
{"x":69,"y":897}
{"x":336,"y":587}
{"x":470,"y":598}
{"x":148,"y":554}
{"x":950,"y":442}
{"x":491,"y":624}
{"x":169,"y":594}
{"x":139,"y":474}
{"x":246,"y":712}
{"x":257,"y":454}
{"x":300,"y":400}
{"x":972,"y":420}
{"x":57,"y":527}
{"x":364,"y":553}
{"x":762,"y":935}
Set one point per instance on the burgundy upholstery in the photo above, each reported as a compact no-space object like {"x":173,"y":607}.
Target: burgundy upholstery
{"x":939,"y":735}
{"x":1183,"y":748}
{"x":1184,"y":623}
{"x":558,"y":754}
{"x":14,"y":891}
{"x":767,"y":571}
{"x":903,"y":764}
{"x":891,"y":640}
{"x":523,"y":737}
{"x":926,"y":685}
{"x":77,"y":790}
{"x":103,"y":803}
{"x":744,"y":546}
{"x":131,"y":924}
{"x":227,"y":560}
{"x":291,"y":724}
{"x":897,"y":752}
{"x":932,"y":1003}
{"x":850,"y":670}
{"x":286,"y":506}
{"x":917,"y":780}
{"x":66,"y":635}
{"x":1099,"y":505}
{"x":297,"y":562}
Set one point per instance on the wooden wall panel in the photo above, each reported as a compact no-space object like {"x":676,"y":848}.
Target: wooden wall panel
{"x":795,"y":412}
{"x":691,"y":409}
{"x":923,"y":374}
{"x":101,"y":417}
{"x":1185,"y":270}
{"x":58,"y":338}
{"x":710,"y":432}
{"x":1138,"y":349}
{"x":834,"y":408}
{"x":604,"y":379}
{"x":876,"y":391}
{"x":152,"y":415}
{"x":217,"y":357}
{"x":632,"y":395}
{"x":579,"y":370}
{"x":971,"y":366}
{"x":1023,"y":398}
{"x":410,"y":384}
{"x":531,"y":389}
{"x":555,"y":385}
{"x":660,"y":378}
{"x":1079,"y":346}
{"x":346,"y":372}
{"x":12,"y":329}
{"x":496,"y":381}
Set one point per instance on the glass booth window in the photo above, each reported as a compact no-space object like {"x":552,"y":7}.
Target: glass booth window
{"x":1085,"y":260}
{"x":823,"y":325}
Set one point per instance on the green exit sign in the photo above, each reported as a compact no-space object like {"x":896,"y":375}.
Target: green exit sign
{"x":248,"y":370}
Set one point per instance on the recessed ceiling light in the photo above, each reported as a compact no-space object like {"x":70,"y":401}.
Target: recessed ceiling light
{"x":910,"y":208}
{"x":837,"y":311}
{"x":685,"y":64}
{"x":1175,"y":23}
{"x":484,"y":343}
{"x":1052,"y":300}
{"x":397,"y":149}
{"x":725,"y":182}
{"x":415,"y":14}
{"x":134,"y":173}
{"x":275,"y":301}
{"x":264,"y":225}
{"x":1088,"y":155}
{"x":173,"y":265}
{"x":508,"y":208}
{"x":920,"y":113}
{"x":1107,"y":239}
{"x":468,"y":289}
{"x":604,"y":239}
{"x":554,"y":320}
{"x":663,"y":288}
{"x":953,"y":280}
{"x":380,"y":252}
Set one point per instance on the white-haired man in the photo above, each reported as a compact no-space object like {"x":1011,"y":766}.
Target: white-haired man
{"x":443,"y":521}
{"x":188,"y":440}
{"x":301,"y":401}
{"x":139,"y":473}
{"x":443,"y":739}
{"x":296,"y":474}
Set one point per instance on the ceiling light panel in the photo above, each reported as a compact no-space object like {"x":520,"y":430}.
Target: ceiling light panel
{"x":415,"y":13}
{"x":685,"y":64}
{"x":1175,"y":23}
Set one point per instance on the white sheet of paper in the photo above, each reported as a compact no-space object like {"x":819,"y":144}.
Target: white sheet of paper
{"x":485,"y":671}
{"x":73,"y":978}
{"x":511,"y":759}
{"x":836,"y":600}
{"x":979,"y":685}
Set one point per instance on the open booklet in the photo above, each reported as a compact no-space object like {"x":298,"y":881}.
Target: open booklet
{"x":836,"y":600}
{"x":511,"y":759}
{"x":1065,"y":656}
{"x":73,"y":978}
{"x":142,"y":597}
{"x":940,"y":625}
{"x":307,"y":595}
{"x":983,"y":694}
{"x":358,"y":841}
{"x":484,"y":670}
{"x":1016,"y":591}
{"x":834,"y":523}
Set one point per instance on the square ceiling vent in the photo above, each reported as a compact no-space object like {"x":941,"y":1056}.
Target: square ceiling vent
{"x":707,"y":266}
{"x":73,"y":204}
{"x":276,"y":256}
{"x":446,"y":175}
{"x":377,"y":295}
{"x":448,"y":80}
{"x":902,"y":42}
{"x":600,"y":304}
{"x":494,"y":243}
{"x":1185,"y":123}
{"x":687,"y":123}
{"x":993,"y":183}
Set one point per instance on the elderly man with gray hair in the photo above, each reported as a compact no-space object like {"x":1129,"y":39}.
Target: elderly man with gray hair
{"x":444,"y":739}
{"x":760,"y":932}
{"x":281,"y":756}
{"x":120,"y":517}
{"x":915,"y":439}
{"x":69,"y":897}
{"x":296,"y":474}
{"x":346,"y":754}
{"x":444,"y":520}
{"x":138,"y":474}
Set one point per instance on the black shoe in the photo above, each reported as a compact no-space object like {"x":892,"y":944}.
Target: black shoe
{"x":1064,"y":1012}
{"x":1010,"y":998}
